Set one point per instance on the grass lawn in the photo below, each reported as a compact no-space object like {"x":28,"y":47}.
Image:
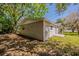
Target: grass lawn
{"x":69,"y":38}
{"x":68,"y":44}
{"x":73,"y":40}
{"x":71,"y":33}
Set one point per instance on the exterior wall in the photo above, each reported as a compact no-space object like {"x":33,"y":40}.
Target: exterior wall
{"x":45,"y":31}
{"x":34,"y":30}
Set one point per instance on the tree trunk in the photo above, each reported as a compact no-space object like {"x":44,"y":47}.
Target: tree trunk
{"x":78,"y":30}
{"x":73,"y":29}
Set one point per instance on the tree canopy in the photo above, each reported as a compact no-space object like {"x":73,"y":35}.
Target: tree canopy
{"x":10,"y":14}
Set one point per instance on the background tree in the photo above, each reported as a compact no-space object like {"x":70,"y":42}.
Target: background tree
{"x":60,"y":7}
{"x":72,"y":21}
{"x":61,"y":25}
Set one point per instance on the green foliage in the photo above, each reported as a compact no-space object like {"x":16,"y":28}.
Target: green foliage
{"x":60,"y":21}
{"x":10,"y":14}
{"x":38,"y":10}
{"x":60,"y":7}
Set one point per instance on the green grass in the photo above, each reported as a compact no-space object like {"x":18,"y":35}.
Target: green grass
{"x":69,"y":38}
{"x":73,"y":40}
{"x":68,"y":45}
{"x":70,"y":33}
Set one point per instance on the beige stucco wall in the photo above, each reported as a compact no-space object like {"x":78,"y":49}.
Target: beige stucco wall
{"x":34,"y":30}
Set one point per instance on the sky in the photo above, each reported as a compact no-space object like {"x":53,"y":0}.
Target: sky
{"x":52,"y":14}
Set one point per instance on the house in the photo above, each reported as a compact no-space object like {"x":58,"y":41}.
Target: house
{"x":40,"y":29}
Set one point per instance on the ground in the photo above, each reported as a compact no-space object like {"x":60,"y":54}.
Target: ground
{"x":15,"y":45}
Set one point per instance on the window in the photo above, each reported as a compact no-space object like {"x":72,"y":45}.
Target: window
{"x":51,"y":27}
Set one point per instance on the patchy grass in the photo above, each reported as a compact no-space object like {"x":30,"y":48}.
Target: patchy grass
{"x":69,"y":38}
{"x":74,"y":40}
{"x":68,"y":45}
